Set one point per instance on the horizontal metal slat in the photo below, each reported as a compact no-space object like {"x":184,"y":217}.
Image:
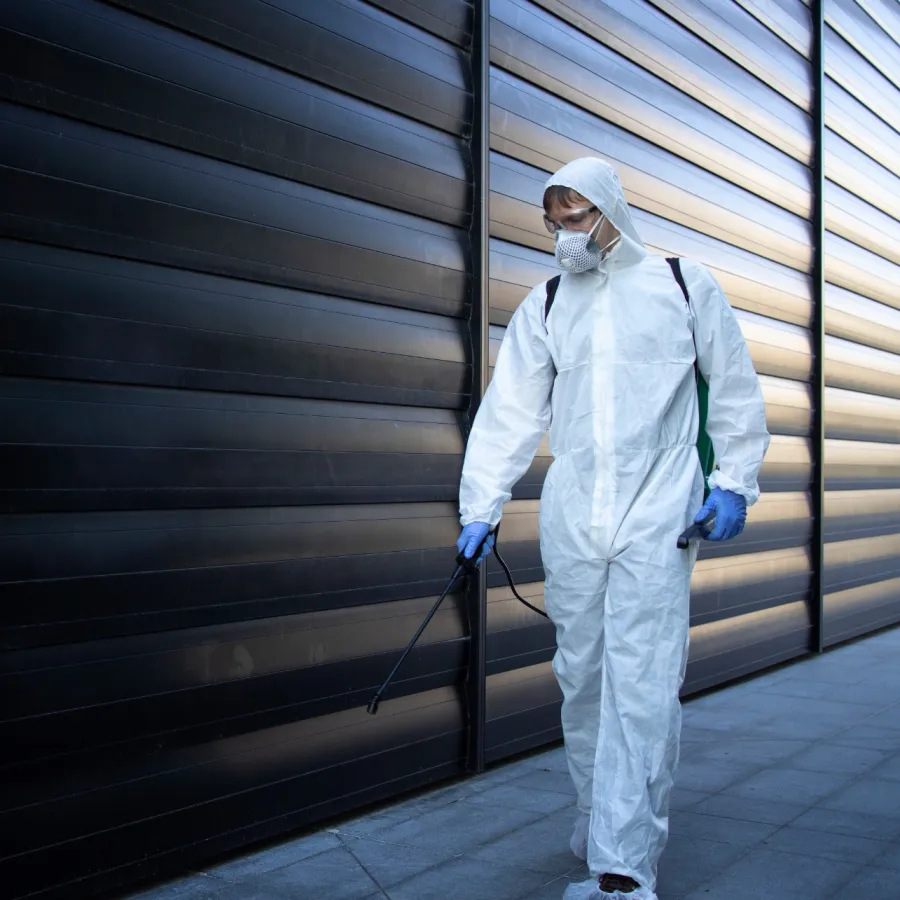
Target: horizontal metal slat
{"x":658,"y":43}
{"x":90,"y":189}
{"x":861,"y":223}
{"x":858,"y":465}
{"x":74,"y":315}
{"x":730,"y":648}
{"x":855,"y":24}
{"x":854,"y":367}
{"x":859,"y":126}
{"x":789,"y":19}
{"x":857,"y":172}
{"x":180,"y":688}
{"x":725,"y":587}
{"x":73,"y":577}
{"x":860,"y":561}
{"x":860,"y":610}
{"x":451,"y":21}
{"x":860,"y":270}
{"x":348,"y":44}
{"x":178,"y":90}
{"x":857,"y":75}
{"x":855,"y":514}
{"x":861,"y":417}
{"x":861,"y":320}
{"x":83,"y":447}
{"x":752,"y":44}
{"x":537,"y":47}
{"x":788,"y":405}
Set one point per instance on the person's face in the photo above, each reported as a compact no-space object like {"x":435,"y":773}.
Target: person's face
{"x":579,"y":215}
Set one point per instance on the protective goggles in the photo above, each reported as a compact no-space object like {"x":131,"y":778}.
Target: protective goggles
{"x":573,"y":221}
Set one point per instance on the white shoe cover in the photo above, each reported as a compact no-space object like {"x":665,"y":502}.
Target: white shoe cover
{"x":578,"y":844}
{"x":590,"y":890}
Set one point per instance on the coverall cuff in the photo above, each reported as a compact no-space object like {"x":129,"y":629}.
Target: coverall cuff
{"x":470,"y":515}
{"x":720,"y":480}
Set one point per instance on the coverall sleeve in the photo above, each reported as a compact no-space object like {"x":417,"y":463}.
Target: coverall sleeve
{"x":736,"y":421}
{"x":512,"y":418}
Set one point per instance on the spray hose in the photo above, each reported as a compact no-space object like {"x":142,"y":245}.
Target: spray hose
{"x":465,"y":565}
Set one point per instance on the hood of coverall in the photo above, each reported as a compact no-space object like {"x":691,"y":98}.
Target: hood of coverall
{"x":597,"y":180}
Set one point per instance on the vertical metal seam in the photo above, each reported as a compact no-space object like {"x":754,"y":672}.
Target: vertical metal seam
{"x":479,"y":330}
{"x":818,"y":293}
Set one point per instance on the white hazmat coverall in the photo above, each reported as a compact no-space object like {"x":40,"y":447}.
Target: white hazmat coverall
{"x":611,"y":374}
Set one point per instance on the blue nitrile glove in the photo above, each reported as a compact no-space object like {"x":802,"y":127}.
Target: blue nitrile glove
{"x":731,"y":514}
{"x":471,"y":537}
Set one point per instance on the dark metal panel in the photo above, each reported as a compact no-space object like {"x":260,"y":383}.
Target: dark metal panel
{"x":94,"y":64}
{"x":739,"y":584}
{"x":90,"y":189}
{"x":855,"y":465}
{"x":104,"y":702}
{"x":542,"y":131}
{"x":857,"y":611}
{"x":523,"y":711}
{"x":85,"y":577}
{"x":857,"y":514}
{"x":855,"y":367}
{"x":861,"y":561}
{"x":450,"y":20}
{"x":861,"y":320}
{"x":861,"y":417}
{"x":783,"y":65}
{"x":277,"y":778}
{"x":558,"y":58}
{"x":346,"y":44}
{"x":75,"y":315}
{"x":72,"y":446}
{"x":721,"y":651}
{"x":656,"y":42}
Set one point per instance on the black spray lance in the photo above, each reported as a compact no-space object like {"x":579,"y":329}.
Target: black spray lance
{"x":465,"y":565}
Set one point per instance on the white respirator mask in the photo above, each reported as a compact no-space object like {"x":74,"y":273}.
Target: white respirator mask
{"x":576,"y":251}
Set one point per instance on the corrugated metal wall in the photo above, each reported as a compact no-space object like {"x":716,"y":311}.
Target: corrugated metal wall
{"x":237,"y":253}
{"x":862,"y":317}
{"x":235,"y":267}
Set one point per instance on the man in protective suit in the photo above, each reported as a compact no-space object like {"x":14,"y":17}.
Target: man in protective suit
{"x":610,"y":369}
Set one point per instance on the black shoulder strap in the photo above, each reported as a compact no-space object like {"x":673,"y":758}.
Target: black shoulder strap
{"x":675,"y":264}
{"x":552,"y":288}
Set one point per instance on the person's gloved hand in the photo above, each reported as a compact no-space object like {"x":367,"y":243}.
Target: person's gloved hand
{"x":731,"y":514}
{"x":471,"y":537}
